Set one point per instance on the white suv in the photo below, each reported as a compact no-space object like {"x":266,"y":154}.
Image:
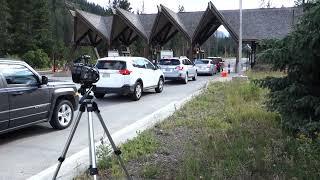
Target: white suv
{"x":127,"y":76}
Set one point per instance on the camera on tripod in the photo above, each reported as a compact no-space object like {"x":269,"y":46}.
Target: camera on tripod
{"x":83,"y":73}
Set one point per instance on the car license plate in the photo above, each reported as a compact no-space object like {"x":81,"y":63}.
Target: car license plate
{"x":168,"y":70}
{"x":105,"y":75}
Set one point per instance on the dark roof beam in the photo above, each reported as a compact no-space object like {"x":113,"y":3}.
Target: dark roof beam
{"x":130,"y":35}
{"x":210,"y":28}
{"x":129,"y":23}
{"x":223,"y":21}
{"x":133,"y":39}
{"x":172,"y":20}
{"x":90,"y":25}
{"x":160,"y":32}
{"x":124,"y":30}
{"x":93,"y":40}
{"x":165,"y":33}
{"x":206,"y":36}
{"x":170,"y":36}
{"x":82,"y":37}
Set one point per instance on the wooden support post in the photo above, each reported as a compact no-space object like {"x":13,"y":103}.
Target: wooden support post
{"x":190,"y":53}
{"x":236,"y":70}
{"x":96,"y":52}
{"x":146,"y":52}
{"x":254,"y":49}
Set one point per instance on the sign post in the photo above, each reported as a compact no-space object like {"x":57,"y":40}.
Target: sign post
{"x":238,"y":70}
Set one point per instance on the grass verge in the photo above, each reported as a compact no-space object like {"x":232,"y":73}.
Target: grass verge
{"x":225,"y":133}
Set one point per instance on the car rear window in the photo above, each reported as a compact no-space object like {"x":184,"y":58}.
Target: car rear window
{"x":201,"y":61}
{"x":112,"y":65}
{"x":169,"y":62}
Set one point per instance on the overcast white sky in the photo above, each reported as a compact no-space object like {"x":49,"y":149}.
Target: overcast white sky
{"x":196,"y":5}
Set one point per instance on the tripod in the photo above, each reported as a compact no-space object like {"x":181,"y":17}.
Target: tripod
{"x":87,"y":103}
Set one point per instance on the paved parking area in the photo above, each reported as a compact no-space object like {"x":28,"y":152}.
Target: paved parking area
{"x":26,"y":152}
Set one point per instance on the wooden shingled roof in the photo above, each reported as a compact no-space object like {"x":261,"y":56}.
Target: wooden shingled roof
{"x":263,"y":23}
{"x":257,"y":23}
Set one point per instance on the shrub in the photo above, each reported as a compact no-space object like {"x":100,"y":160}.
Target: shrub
{"x":37,"y":58}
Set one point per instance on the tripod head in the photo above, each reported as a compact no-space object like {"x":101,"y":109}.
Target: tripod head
{"x":86,"y":91}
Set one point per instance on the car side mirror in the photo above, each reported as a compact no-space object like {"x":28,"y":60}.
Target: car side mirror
{"x":44,"y":80}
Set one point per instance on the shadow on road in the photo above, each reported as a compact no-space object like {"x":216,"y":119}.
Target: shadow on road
{"x":35,"y":130}
{"x":116,"y":98}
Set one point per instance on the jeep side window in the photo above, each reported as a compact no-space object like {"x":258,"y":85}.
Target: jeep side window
{"x":18,"y":75}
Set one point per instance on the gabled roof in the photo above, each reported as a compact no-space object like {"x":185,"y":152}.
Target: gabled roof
{"x":191,"y":21}
{"x":196,"y":27}
{"x":263,"y":23}
{"x":102,"y":24}
{"x":134,"y":22}
{"x":175,"y":19}
{"x":147,"y":21}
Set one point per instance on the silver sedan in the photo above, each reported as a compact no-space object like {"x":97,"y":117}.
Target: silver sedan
{"x":206,"y":66}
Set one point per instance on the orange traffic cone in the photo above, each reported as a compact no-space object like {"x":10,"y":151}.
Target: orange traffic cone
{"x":224,"y":74}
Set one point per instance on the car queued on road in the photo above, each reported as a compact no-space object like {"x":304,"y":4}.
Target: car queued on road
{"x":133,"y":75}
{"x":129,"y":76}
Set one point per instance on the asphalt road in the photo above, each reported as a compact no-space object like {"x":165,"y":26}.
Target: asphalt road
{"x":26,"y":152}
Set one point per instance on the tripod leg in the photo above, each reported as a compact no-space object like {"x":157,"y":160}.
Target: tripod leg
{"x":93,"y":170}
{"x":66,"y":147}
{"x":114,"y":147}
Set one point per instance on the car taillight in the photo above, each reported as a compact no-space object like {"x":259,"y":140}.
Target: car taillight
{"x":208,"y":65}
{"x":125,"y":72}
{"x":179,"y":68}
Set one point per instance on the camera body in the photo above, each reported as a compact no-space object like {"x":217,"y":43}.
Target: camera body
{"x":83,"y":73}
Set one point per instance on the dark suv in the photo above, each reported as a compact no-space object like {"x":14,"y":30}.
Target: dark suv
{"x":26,"y":98}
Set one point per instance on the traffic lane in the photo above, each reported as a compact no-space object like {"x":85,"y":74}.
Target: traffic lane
{"x":31,"y":150}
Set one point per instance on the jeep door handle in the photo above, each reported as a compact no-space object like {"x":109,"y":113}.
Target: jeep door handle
{"x":17,"y":93}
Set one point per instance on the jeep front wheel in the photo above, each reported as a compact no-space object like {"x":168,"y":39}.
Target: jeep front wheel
{"x":62,"y":115}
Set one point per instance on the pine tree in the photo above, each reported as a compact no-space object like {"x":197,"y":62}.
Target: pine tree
{"x":297,"y":96}
{"x":124,"y":4}
{"x":21,"y":26}
{"x":40,"y":25}
{"x":4,"y":28}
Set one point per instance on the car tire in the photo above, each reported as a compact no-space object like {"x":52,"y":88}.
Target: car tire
{"x":185,"y":81}
{"x":62,"y":115}
{"x":194,"y":78}
{"x":99,"y":95}
{"x":137,"y":91}
{"x":159,"y":89}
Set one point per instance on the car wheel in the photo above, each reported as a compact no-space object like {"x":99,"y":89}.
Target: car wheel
{"x":159,"y":89}
{"x":194,"y":78}
{"x":62,"y":115}
{"x":99,"y":95}
{"x":186,"y":79}
{"x":137,"y":91}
